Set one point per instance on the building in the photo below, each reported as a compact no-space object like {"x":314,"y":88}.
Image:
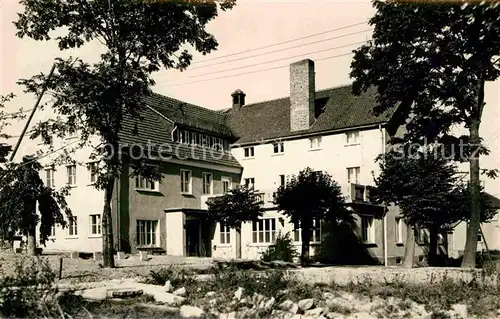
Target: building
{"x":202,"y":153}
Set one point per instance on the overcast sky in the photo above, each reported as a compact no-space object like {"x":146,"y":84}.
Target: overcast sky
{"x":249,"y":26}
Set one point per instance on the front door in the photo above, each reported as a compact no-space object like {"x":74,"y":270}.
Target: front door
{"x":193,"y":237}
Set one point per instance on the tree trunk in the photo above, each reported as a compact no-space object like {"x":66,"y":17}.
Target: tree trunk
{"x":238,"y":243}
{"x":107,"y":226}
{"x":433,"y":244}
{"x":306,"y":238}
{"x":470,"y":250}
{"x":31,"y":240}
{"x":409,"y":248}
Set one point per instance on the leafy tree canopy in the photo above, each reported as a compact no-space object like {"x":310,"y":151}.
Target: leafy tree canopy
{"x":239,"y":205}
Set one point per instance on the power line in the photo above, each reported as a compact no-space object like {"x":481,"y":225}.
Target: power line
{"x":251,"y":72}
{"x":277,"y":60}
{"x":279,"y":43}
{"x":279,"y":50}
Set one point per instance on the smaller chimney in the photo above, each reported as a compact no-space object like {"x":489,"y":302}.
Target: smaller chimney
{"x":238,"y":99}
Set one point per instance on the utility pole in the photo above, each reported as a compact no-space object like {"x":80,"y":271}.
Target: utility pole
{"x":44,"y":88}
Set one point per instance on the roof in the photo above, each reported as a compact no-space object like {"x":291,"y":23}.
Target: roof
{"x":156,"y":131}
{"x":189,"y":115}
{"x":494,"y":201}
{"x":271,"y":119}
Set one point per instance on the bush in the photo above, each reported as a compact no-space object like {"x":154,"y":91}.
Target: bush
{"x":178,"y":277}
{"x":30,"y":292}
{"x":283,"y":249}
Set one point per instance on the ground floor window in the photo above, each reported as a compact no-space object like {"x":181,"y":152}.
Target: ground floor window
{"x":315,"y":236}
{"x":399,"y":230}
{"x":367,"y":229}
{"x":95,"y":224}
{"x":146,"y":232}
{"x":73,"y":226}
{"x":264,"y":230}
{"x":225,"y":234}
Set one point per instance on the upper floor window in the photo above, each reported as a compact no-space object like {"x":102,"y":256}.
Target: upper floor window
{"x":248,"y":151}
{"x":71,"y":170}
{"x":194,"y":139}
{"x":353,"y":175}
{"x":92,"y":167}
{"x":226,"y":184}
{"x":207,"y":183}
{"x":278,"y":147}
{"x":49,"y":177}
{"x":367,"y":229}
{"x":352,"y":137}
{"x":143,"y":183}
{"x":250,"y":182}
{"x":315,"y":143}
{"x":184,"y":137}
{"x":186,"y":181}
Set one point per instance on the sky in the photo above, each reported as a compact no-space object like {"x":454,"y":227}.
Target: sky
{"x":325,"y":32}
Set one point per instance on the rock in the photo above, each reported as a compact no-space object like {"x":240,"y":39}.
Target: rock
{"x":460,"y":310}
{"x":95,"y":294}
{"x":245,"y":301}
{"x":191,"y":312}
{"x":257,"y":298}
{"x":143,"y":255}
{"x":238,"y":293}
{"x":120,"y":255}
{"x":306,"y":304}
{"x":168,"y":286}
{"x":289,"y":306}
{"x":231,"y":315}
{"x":180,"y":292}
{"x":97,"y":256}
{"x":334,"y":315}
{"x":210,"y":294}
{"x":270,"y":303}
{"x":316,"y":312}
{"x":280,"y":314}
{"x":125,"y":293}
{"x":328,"y":295}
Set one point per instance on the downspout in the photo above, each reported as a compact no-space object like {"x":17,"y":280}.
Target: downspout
{"x":386,"y":263}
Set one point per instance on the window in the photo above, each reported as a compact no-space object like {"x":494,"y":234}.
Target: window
{"x":479,"y":237}
{"x":207,"y":183}
{"x":92,"y":167}
{"x":399,"y":230}
{"x":198,"y":139}
{"x":71,"y":169}
{"x":282,"y":180}
{"x":315,"y":143}
{"x":49,"y":177}
{"x":353,"y":175}
{"x":73,"y":226}
{"x":95,"y":224}
{"x":53,"y":231}
{"x":184,"y":137}
{"x":220,"y":145}
{"x":143,"y":183}
{"x":146,"y":232}
{"x":226,"y":184}
{"x":193,"y":139}
{"x":249,"y":151}
{"x":264,"y":230}
{"x":225,"y":234}
{"x":211,"y":141}
{"x":352,"y":138}
{"x":315,"y":236}
{"x":250,"y":182}
{"x":185,"y":181}
{"x":420,"y":235}
{"x":278,"y":147}
{"x":367,"y":229}
{"x":204,"y":140}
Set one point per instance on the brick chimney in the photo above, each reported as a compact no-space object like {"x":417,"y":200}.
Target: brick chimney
{"x":302,"y":95}
{"x":238,"y":99}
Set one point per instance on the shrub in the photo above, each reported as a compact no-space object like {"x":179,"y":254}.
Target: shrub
{"x":283,"y":249}
{"x":178,"y":277}
{"x":30,"y":292}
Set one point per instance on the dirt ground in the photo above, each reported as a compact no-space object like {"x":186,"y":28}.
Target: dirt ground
{"x":89,"y":270}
